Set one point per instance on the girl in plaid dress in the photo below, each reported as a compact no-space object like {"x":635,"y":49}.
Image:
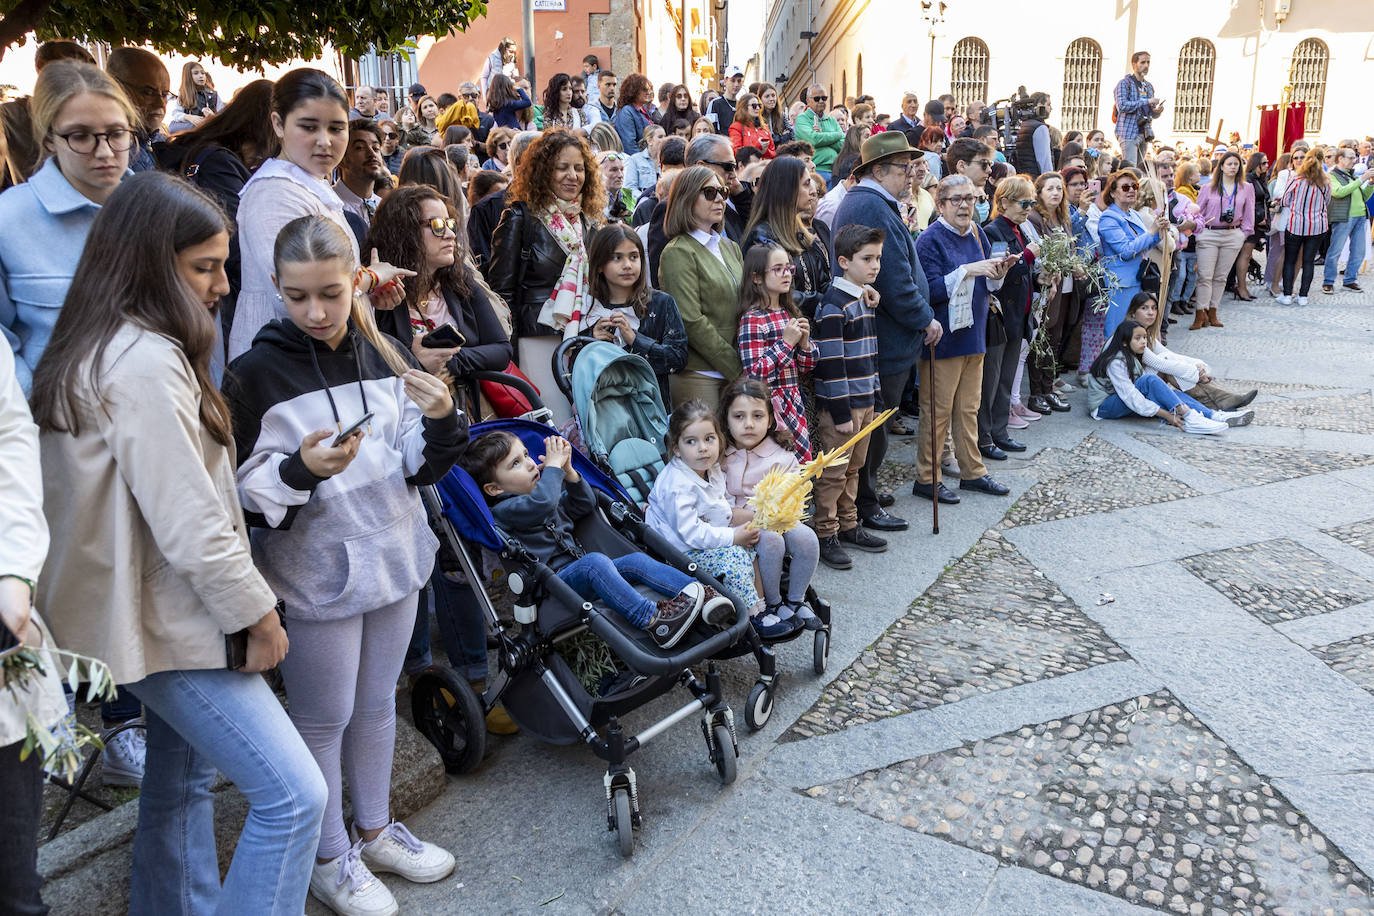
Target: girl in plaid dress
{"x":774,"y":339}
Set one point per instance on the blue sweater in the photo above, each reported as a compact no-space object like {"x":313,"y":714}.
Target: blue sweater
{"x":904,"y":305}
{"x":941,"y":252}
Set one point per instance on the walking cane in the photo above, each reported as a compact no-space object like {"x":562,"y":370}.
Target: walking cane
{"x":934,"y":451}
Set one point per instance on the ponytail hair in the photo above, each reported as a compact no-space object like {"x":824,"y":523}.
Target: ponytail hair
{"x":310,"y":239}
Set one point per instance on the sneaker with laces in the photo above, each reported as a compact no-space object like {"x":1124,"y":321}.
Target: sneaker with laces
{"x":1234,"y":417}
{"x":1284,"y":299}
{"x":676,"y":615}
{"x":833,"y":553}
{"x":716,"y":609}
{"x":349,"y":888}
{"x":122,"y":762}
{"x":1301,"y":300}
{"x":397,"y":851}
{"x":1196,"y":423}
{"x":858,"y":537}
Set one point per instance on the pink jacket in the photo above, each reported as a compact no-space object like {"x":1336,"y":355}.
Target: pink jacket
{"x":745,"y":468}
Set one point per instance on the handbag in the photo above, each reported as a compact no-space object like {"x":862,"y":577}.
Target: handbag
{"x":1147,"y":272}
{"x":505,"y":400}
{"x":996,"y":332}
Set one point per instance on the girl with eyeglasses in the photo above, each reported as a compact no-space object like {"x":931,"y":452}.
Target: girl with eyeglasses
{"x":775,"y":339}
{"x":748,"y":128}
{"x":86,"y":123}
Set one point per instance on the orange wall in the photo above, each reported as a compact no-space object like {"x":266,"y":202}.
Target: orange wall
{"x":460,"y":55}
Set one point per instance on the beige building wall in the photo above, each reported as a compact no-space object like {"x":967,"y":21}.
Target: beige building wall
{"x":883,"y":47}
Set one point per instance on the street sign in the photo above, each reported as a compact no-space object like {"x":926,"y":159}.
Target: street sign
{"x":550,"y":6}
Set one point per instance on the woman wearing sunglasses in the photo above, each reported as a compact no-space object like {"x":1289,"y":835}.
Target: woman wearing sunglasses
{"x":1125,"y":235}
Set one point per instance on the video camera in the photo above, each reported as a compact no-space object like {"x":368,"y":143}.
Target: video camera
{"x":1007,"y":114}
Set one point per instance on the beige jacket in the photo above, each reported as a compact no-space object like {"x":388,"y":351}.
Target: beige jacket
{"x":23,"y":542}
{"x":149,"y":565}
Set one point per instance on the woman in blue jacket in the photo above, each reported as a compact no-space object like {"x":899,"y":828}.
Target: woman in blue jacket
{"x":633,"y":115}
{"x":1125,"y":236}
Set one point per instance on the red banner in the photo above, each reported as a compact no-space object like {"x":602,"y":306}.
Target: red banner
{"x":1294,"y":124}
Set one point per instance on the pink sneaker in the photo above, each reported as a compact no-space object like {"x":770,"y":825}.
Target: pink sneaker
{"x":1025,"y":413}
{"x":1014,"y":421}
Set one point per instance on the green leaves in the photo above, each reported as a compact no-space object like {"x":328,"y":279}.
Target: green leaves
{"x":61,"y":746}
{"x":250,"y":33}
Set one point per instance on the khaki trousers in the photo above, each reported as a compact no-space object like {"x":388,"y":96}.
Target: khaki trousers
{"x":689,"y":385}
{"x":958,"y":382}
{"x":838,"y":486}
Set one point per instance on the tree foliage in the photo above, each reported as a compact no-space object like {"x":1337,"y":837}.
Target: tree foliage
{"x":243,"y":33}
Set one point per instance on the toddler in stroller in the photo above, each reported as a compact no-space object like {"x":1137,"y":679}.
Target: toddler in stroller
{"x":539,"y":507}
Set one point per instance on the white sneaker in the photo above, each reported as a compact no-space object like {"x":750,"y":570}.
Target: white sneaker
{"x":347,"y":887}
{"x":1195,"y":422}
{"x":1234,"y":417}
{"x":122,"y":762}
{"x":1284,"y":299}
{"x":1302,"y":300}
{"x":396,"y":851}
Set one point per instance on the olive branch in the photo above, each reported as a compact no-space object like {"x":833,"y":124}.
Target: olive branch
{"x":62,"y":745}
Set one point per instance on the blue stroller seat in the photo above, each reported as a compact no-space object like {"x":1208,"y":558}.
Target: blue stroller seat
{"x":534,"y":683}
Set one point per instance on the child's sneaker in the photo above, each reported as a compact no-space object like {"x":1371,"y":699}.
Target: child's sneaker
{"x":676,"y":615}
{"x":397,"y":851}
{"x":349,"y":888}
{"x":716,"y":609}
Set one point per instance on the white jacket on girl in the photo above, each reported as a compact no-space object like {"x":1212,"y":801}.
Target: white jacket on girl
{"x":691,"y":513}
{"x":1184,"y":369}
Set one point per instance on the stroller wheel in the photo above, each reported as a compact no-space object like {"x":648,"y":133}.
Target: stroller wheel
{"x":820,"y":656}
{"x":759,"y":707}
{"x":624,"y":826}
{"x":724,"y":752}
{"x":448,"y":713}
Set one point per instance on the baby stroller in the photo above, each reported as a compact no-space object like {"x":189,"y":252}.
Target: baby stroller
{"x":615,"y":397}
{"x":534,"y":682}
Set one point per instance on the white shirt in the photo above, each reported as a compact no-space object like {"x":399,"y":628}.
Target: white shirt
{"x":690,"y":513}
{"x":355,"y":204}
{"x":710,"y":241}
{"x":830,"y":204}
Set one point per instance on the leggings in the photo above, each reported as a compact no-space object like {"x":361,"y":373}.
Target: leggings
{"x":803,"y":547}
{"x":1292,"y":245}
{"x":341,"y":683}
{"x":1094,"y":321}
{"x":734,"y":567}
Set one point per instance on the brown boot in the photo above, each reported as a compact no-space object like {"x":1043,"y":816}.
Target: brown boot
{"x":1199,"y":319}
{"x":1213,"y":320}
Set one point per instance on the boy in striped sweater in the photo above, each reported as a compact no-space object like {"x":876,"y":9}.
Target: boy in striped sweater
{"x":846,"y":379}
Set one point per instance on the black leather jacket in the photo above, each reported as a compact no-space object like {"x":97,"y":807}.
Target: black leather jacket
{"x":1018,"y":288}
{"x":526,"y":262}
{"x":812,"y":278}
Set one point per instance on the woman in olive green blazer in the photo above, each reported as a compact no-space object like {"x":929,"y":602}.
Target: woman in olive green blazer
{"x":700,"y":269}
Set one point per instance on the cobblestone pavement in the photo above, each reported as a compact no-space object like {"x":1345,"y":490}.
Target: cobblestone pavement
{"x":1360,"y":535}
{"x":1252,"y":465}
{"x":1138,"y":799}
{"x":1279,"y":580}
{"x":1352,"y":657}
{"x":989,"y":622}
{"x":1344,"y":413}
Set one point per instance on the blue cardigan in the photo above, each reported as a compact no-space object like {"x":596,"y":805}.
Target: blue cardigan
{"x":904,"y":305}
{"x":941,"y":252}
{"x":43,"y":227}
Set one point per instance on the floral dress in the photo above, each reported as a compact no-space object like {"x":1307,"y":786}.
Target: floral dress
{"x":768,"y":357}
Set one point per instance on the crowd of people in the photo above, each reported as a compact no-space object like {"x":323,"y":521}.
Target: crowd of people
{"x":243,"y":333}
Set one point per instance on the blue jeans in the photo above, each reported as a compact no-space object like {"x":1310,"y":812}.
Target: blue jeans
{"x":1352,"y":230}
{"x":598,"y":576}
{"x":1157,"y":390}
{"x":200,"y":722}
{"x":461,"y":626}
{"x":1183,"y":279}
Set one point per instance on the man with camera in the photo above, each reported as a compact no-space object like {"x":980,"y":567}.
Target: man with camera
{"x":1034,"y":154}
{"x":1136,"y":106}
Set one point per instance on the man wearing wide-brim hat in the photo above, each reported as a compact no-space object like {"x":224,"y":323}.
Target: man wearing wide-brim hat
{"x":904,"y":319}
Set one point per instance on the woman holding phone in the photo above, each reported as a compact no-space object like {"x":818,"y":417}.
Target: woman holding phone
{"x":149,"y":566}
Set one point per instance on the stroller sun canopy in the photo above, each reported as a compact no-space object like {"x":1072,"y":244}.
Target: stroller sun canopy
{"x":616,"y":397}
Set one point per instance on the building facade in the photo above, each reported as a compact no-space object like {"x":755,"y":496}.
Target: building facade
{"x":1211,"y":60}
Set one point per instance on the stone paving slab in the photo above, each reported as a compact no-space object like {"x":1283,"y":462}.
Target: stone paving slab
{"x":1138,"y":799}
{"x":1352,"y":657}
{"x":989,"y":622}
{"x":1359,"y":535}
{"x":1096,"y":476}
{"x":1341,"y":412}
{"x":1332,"y":627}
{"x":1251,"y":464}
{"x":1242,"y":385}
{"x":1279,"y":580}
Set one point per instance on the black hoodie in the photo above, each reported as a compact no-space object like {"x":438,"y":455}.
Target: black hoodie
{"x":338,"y":546}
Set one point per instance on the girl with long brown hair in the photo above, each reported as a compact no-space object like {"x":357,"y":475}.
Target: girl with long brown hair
{"x":196,"y":99}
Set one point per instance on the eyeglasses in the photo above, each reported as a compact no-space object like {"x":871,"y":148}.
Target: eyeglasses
{"x":730,"y":167}
{"x":388,"y":135}
{"x":819,"y":98}
{"x":469,"y":95}
{"x":985,"y":163}
{"x":441,"y":226}
{"x":713,"y":193}
{"x":504,"y":144}
{"x":84,"y":143}
{"x":1128,"y":187}
{"x":1026,"y":204}
{"x":149,"y":93}
{"x":781,"y":270}
{"x":958,"y":199}
{"x":755,"y":105}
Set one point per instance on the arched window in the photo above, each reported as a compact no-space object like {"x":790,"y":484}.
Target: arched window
{"x":968,"y":81}
{"x":1082,"y":85}
{"x":1193,"y":96}
{"x":1308,"y":77}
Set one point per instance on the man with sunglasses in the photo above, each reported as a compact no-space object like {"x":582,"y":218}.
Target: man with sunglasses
{"x":591,"y":112}
{"x":149,"y":87}
{"x":362,"y":171}
{"x":714,"y":152}
{"x":468,"y":94}
{"x":821,"y":131}
{"x":392,"y":154}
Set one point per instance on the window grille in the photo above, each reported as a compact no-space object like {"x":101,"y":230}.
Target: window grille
{"x":1082,"y":85}
{"x":1308,"y":77}
{"x":391,"y":73}
{"x":969,"y":72}
{"x":1193,"y":96}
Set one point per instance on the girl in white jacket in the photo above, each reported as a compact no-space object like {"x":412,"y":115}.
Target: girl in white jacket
{"x":689,"y":507}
